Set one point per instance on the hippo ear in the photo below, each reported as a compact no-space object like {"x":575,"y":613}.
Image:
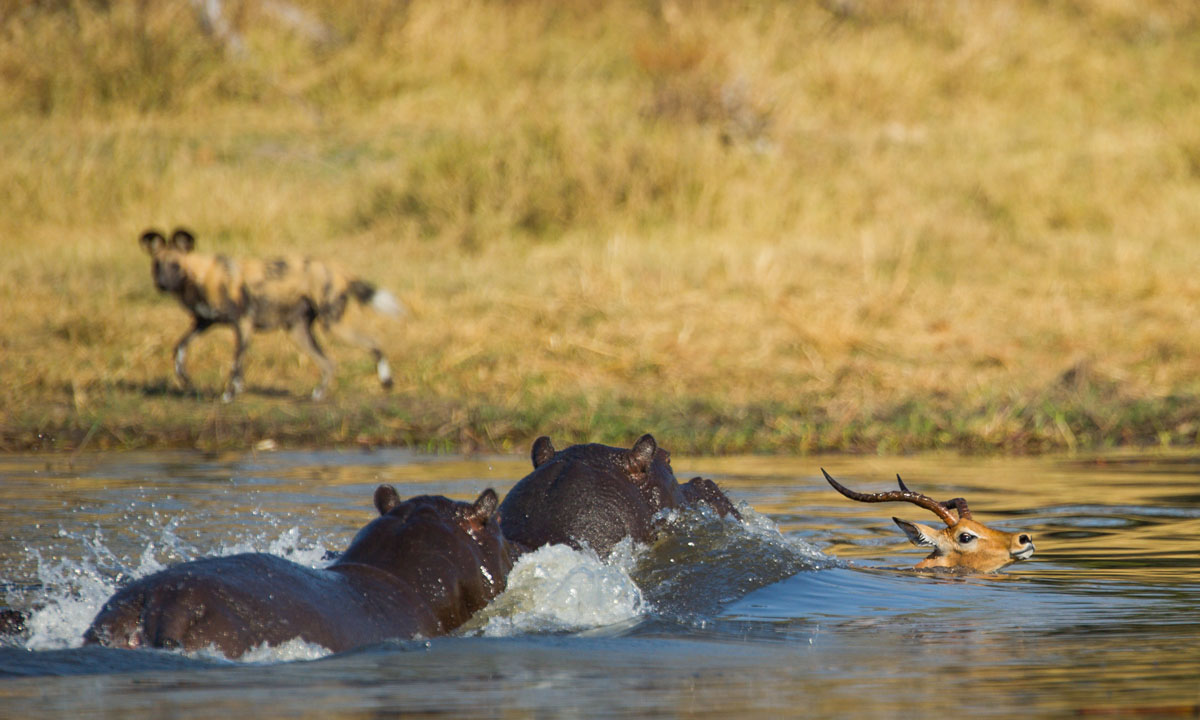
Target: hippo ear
{"x":642,"y":453}
{"x":152,"y":241}
{"x":485,"y":506}
{"x":386,"y":498}
{"x":543,"y":450}
{"x":183,"y":240}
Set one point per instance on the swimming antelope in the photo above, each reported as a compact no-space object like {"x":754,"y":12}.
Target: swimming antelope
{"x":963,"y":544}
{"x":284,"y":292}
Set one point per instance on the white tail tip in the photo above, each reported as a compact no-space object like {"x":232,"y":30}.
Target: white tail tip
{"x":386,"y":303}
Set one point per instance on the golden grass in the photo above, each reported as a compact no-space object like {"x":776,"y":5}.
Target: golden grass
{"x":868,"y":225}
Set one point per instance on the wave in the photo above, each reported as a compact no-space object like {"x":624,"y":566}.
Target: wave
{"x":700,"y":562}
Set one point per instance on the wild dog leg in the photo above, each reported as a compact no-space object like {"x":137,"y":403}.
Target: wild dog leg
{"x":367,"y":342}
{"x":303,"y":336}
{"x":180,"y":353}
{"x":241,"y":338}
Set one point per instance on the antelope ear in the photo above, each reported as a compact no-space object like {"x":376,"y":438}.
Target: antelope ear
{"x":642,"y":453}
{"x":152,"y":241}
{"x":183,"y":240}
{"x":485,"y":506}
{"x":918,"y":534}
{"x":386,"y":498}
{"x":543,"y":450}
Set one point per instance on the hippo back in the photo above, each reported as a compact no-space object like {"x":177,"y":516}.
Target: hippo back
{"x":238,"y":602}
{"x":422,"y":568}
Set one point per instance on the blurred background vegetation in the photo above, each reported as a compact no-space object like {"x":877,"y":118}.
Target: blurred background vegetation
{"x":856,"y":225}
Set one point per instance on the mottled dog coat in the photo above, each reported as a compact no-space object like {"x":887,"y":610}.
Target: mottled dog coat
{"x":290,"y":293}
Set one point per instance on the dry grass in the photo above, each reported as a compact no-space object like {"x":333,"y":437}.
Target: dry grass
{"x":867,"y":225}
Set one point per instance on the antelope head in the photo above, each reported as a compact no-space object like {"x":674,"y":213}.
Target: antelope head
{"x":963,"y":544}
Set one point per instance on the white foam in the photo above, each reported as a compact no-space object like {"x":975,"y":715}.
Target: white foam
{"x":288,"y":544}
{"x":556,"y":588}
{"x":294,"y":649}
{"x":76,"y":588}
{"x":764,"y":529}
{"x":290,"y":651}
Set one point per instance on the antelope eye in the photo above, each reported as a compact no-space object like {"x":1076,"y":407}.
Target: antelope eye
{"x":965,"y":537}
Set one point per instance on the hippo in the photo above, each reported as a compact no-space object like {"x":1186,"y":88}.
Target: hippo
{"x":596,"y":495}
{"x":420,"y":569}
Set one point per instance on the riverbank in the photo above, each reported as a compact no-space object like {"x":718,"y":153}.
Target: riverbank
{"x":886,"y":227}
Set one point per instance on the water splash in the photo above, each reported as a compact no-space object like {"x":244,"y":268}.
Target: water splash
{"x":292,"y":650}
{"x":76,"y":582}
{"x":74,"y":592}
{"x":699,"y":562}
{"x":702,"y":561}
{"x":289,"y":544}
{"x":557,"y":589}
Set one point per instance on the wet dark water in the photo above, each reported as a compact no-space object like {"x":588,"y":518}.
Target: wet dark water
{"x":809,"y":610}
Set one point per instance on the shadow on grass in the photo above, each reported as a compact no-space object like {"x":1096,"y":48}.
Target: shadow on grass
{"x":170,"y":389}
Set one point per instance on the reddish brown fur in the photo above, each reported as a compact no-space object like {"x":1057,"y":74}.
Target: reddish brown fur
{"x":289,"y":293}
{"x":967,"y":546}
{"x":963,"y":545}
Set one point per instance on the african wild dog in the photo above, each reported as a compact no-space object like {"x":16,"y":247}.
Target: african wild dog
{"x":248,"y":295}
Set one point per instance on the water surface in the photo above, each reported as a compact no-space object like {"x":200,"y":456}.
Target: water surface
{"x":809,"y":609}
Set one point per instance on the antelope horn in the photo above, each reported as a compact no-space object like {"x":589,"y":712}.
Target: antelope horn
{"x":958,"y":504}
{"x":902,"y":495}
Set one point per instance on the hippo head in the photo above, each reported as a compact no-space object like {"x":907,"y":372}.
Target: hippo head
{"x":591,"y":495}
{"x":645,"y":466}
{"x":444,"y":547}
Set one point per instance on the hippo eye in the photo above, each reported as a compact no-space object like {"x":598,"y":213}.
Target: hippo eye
{"x":965,"y":537}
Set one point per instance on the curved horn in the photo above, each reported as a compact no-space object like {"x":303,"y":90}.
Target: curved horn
{"x":902,"y":495}
{"x":957,"y":504}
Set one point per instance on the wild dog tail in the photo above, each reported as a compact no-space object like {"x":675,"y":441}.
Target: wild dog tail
{"x":378,"y":298}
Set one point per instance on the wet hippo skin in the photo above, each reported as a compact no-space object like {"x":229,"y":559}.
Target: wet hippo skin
{"x":596,"y":495}
{"x":420,"y":569}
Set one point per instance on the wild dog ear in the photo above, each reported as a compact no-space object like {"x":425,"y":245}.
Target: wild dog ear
{"x":152,"y":241}
{"x":386,"y":498}
{"x":642,"y":453}
{"x":485,"y":506}
{"x":183,"y":240}
{"x":543,"y":450}
{"x":918,"y":534}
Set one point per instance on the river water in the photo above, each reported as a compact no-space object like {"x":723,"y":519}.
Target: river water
{"x":808,"y":609}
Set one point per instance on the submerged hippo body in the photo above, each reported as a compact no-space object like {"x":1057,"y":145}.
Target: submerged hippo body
{"x":422,"y":568}
{"x":596,"y":495}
